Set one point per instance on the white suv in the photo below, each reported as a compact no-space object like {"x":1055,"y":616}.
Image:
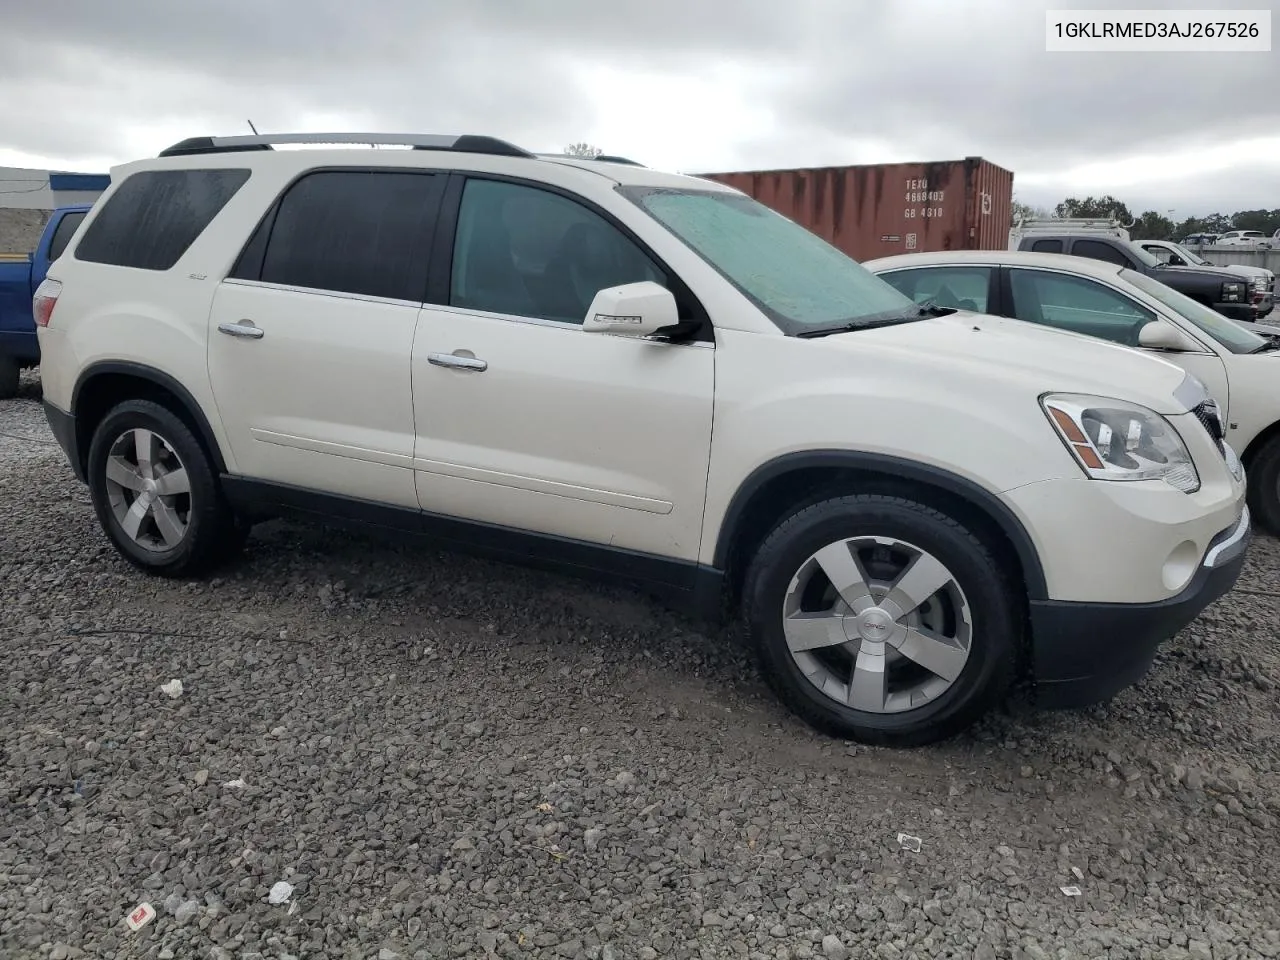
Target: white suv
{"x":606,"y":370}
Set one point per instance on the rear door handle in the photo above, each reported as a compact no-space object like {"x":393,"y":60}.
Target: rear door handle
{"x":461,"y":363}
{"x":244,"y":328}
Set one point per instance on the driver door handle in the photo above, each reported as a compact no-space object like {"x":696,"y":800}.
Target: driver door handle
{"x":457,"y":362}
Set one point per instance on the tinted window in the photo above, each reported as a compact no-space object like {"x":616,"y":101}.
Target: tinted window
{"x":1047,"y":246}
{"x":1100,"y":251}
{"x":154,"y":216}
{"x":62,"y":234}
{"x":352,"y":231}
{"x":533,"y":253}
{"x":1077,"y":304}
{"x":962,"y":287}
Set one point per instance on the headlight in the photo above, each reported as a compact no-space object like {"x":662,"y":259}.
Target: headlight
{"x":1119,"y":440}
{"x":1260,"y":284}
{"x":1232,"y":292}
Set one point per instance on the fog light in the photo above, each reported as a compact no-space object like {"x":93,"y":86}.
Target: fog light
{"x":1181,"y":566}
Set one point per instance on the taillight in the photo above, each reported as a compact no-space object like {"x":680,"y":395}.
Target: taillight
{"x":45,"y":300}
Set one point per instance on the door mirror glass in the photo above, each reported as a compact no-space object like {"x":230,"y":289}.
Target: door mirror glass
{"x":632,"y":310}
{"x":1159,"y":335}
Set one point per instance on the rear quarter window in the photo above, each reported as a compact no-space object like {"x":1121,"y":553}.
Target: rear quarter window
{"x":63,"y":233}
{"x":154,"y":216}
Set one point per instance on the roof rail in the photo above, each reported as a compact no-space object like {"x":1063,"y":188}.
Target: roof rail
{"x":466,"y":143}
{"x":604,"y":158}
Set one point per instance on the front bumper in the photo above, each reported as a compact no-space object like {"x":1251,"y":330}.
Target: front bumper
{"x":1084,"y":653}
{"x":63,"y":427}
{"x":1249,"y":312}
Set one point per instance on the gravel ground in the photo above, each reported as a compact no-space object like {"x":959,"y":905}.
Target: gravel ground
{"x":446,"y":758}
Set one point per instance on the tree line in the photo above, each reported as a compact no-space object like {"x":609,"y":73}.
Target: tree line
{"x":1152,"y":225}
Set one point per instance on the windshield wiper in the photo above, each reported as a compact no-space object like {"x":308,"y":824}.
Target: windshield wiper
{"x":920,"y":312}
{"x":1272,"y":343}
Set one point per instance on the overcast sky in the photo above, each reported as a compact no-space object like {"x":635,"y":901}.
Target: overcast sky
{"x":689,"y":85}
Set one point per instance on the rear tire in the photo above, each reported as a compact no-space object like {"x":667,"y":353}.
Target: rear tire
{"x":9,"y":376}
{"x":156,"y":493}
{"x":922,"y":639}
{"x":1263,"y":487}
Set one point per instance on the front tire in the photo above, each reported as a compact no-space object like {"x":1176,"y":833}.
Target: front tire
{"x":1262,"y":487}
{"x":882,"y":620}
{"x":156,"y":494}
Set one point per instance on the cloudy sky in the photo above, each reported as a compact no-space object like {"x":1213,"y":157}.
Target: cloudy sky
{"x":690,"y":85}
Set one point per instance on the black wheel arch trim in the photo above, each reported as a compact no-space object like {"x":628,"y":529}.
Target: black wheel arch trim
{"x":977,"y":496}
{"x":160,"y":379}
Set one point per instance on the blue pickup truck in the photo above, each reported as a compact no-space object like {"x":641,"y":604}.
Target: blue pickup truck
{"x":20,"y":274}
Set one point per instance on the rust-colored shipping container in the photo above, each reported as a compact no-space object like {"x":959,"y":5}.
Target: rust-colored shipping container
{"x":881,"y":209}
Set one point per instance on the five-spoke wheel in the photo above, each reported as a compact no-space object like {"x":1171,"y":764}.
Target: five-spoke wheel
{"x":149,"y":489}
{"x":881,"y":618}
{"x":156,"y":493}
{"x":877,"y":624}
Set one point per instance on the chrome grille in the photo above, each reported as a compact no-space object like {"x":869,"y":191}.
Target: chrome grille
{"x":1211,"y":419}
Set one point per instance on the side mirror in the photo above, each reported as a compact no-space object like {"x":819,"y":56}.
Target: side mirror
{"x":632,"y":310}
{"x":1158,"y":335}
{"x":1177,"y":261}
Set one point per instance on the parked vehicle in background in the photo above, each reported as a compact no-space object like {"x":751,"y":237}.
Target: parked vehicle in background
{"x":1228,"y":293}
{"x":529,"y":357}
{"x":1240,"y":368}
{"x":1199,"y":239}
{"x":20,"y":275}
{"x":874,"y":210}
{"x":1262,"y":280}
{"x":1054,"y":226}
{"x":1244,"y":238}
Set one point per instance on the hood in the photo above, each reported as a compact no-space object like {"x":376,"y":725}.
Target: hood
{"x":1242,"y":270}
{"x":1214,"y":273}
{"x":1039,"y":359}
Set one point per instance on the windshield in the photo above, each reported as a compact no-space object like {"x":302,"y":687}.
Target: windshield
{"x":1143,"y":257}
{"x":1225,"y":331}
{"x":799,"y":280}
{"x":1190,"y":257}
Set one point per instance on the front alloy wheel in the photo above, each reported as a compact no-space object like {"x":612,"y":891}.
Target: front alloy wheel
{"x":877,"y":624}
{"x":882,"y":619}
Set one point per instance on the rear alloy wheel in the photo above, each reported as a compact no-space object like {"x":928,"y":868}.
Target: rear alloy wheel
{"x":881,"y":619}
{"x":155,"y":492}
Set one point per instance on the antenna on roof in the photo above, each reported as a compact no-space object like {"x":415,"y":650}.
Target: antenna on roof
{"x":252,"y":127}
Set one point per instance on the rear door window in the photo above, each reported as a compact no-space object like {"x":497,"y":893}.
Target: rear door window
{"x":358,"y":232}
{"x":1095,"y":250}
{"x":1047,"y":246}
{"x":154,"y":216}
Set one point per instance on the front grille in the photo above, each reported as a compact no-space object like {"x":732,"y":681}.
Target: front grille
{"x":1211,"y":419}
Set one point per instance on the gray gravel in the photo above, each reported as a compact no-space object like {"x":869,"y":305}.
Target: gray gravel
{"x":449,"y":758}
